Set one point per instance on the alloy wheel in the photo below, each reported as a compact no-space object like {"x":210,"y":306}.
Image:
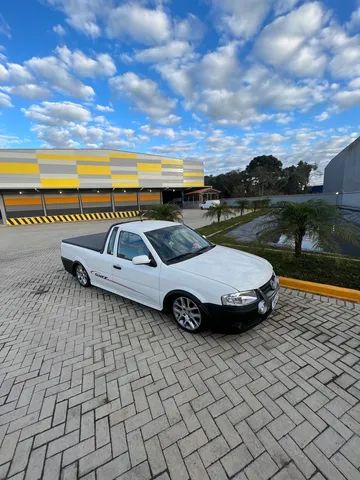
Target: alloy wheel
{"x":82,"y":275}
{"x":187,"y":313}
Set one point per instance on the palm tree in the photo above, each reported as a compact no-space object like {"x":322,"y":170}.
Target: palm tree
{"x":166,"y":211}
{"x":218,"y":211}
{"x":242,"y":205}
{"x":321,"y":222}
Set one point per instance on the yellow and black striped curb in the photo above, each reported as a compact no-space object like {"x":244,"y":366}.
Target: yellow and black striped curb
{"x":74,"y":217}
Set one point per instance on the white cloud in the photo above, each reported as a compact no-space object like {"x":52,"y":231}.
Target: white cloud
{"x":284,"y":6}
{"x":104,"y":108}
{"x":173,"y":149}
{"x":145,"y":95}
{"x":347,"y":98}
{"x":227,"y":93}
{"x":354,"y":22}
{"x":4,"y":27}
{"x":5,"y":100}
{"x":67,"y":126}
{"x":144,"y":25}
{"x":101,"y":65}
{"x":31,"y":91}
{"x":241,"y":19}
{"x":346,"y":61}
{"x":322,"y":116}
{"x":171,"y":133}
{"x":171,"y":50}
{"x":178,"y":77}
{"x":14,"y":73}
{"x":159,"y":132}
{"x":38,"y":76}
{"x":215,"y":70}
{"x":81,"y":14}
{"x":59,"y":30}
{"x":57,"y":113}
{"x":141,"y":21}
{"x":218,"y":69}
{"x":189,"y":28}
{"x":290,"y":41}
{"x":55,"y":74}
{"x":8,"y":141}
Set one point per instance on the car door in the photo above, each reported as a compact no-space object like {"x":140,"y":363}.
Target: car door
{"x":102,"y":264}
{"x":137,"y":282}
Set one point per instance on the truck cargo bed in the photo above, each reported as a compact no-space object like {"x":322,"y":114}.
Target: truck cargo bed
{"x":95,"y":242}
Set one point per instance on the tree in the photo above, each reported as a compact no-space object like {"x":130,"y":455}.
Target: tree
{"x":242,"y":205}
{"x":218,"y":211}
{"x":263,"y":176}
{"x":167,"y":211}
{"x":296,"y":178}
{"x":318,"y":220}
{"x":265,"y":172}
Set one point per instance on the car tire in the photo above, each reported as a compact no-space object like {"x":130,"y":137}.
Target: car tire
{"x":82,"y":275}
{"x":187,"y":313}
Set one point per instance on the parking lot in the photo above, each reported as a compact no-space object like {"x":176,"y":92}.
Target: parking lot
{"x":95,"y":386}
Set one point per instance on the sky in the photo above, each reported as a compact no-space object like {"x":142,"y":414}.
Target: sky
{"x":219,"y":80}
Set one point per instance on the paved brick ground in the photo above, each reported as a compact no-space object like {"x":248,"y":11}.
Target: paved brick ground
{"x":97,"y":387}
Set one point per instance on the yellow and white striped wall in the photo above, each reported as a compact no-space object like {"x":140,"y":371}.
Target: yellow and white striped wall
{"x":86,"y":169}
{"x":17,"y":221}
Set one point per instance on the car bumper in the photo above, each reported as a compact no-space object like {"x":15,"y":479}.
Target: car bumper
{"x":241,"y":316}
{"x":68,"y":265}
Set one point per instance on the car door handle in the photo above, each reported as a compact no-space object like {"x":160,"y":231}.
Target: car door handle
{"x":117,"y":267}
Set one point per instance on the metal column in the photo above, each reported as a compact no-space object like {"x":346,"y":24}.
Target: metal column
{"x":137,"y":200}
{"x":43,"y":203}
{"x":2,"y":209}
{"x":112,"y":201}
{"x":80,"y":203}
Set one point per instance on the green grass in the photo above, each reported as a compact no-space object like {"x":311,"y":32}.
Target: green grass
{"x":326,"y":268}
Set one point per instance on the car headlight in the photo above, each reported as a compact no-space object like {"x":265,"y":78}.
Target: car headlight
{"x":240,"y":298}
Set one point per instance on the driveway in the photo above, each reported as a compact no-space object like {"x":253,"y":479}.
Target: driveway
{"x":94,"y":386}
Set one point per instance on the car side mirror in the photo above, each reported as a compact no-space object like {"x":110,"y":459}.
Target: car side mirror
{"x":204,"y":236}
{"x":141,"y":260}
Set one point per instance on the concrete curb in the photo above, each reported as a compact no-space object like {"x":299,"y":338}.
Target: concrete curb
{"x":321,"y":289}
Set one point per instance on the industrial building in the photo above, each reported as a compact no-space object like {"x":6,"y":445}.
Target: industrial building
{"x":342,"y":174}
{"x":65,"y":185}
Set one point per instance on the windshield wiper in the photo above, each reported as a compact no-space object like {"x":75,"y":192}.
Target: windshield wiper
{"x":204,"y":249}
{"x":187,"y":255}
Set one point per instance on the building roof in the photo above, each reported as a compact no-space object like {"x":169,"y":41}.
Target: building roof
{"x":203,"y":190}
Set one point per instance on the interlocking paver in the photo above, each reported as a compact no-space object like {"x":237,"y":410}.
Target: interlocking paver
{"x":236,"y":460}
{"x":94,"y":386}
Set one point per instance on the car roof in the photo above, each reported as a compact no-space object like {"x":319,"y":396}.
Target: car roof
{"x":141,"y":226}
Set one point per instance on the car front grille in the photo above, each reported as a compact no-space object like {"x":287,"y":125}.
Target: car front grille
{"x":266,"y":289}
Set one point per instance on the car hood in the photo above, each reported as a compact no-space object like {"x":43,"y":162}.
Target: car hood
{"x":240,"y":270}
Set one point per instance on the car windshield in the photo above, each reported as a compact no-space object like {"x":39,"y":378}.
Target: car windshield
{"x":176,"y":243}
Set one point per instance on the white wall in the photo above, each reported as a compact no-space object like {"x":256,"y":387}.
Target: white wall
{"x":343,"y":199}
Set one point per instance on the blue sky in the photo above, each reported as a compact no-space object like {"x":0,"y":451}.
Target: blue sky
{"x":220,"y":80}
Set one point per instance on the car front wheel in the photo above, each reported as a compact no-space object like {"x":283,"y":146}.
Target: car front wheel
{"x":82,"y":275}
{"x":188,"y":314}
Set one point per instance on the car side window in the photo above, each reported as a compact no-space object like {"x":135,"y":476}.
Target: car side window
{"x":131,"y":245}
{"x":111,"y":243}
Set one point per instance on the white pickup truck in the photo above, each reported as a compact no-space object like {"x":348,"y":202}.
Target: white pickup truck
{"x":168,"y":266}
